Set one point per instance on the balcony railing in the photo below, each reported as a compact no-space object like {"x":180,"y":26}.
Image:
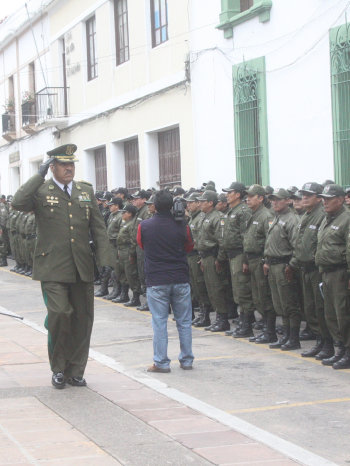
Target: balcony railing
{"x":28,"y":113}
{"x":8,"y":126}
{"x":51,"y":102}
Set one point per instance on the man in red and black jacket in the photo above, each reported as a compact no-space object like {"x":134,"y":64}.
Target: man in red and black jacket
{"x":166,"y":242}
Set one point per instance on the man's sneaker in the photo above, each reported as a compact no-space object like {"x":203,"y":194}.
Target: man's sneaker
{"x":58,"y":380}
{"x":77,"y":381}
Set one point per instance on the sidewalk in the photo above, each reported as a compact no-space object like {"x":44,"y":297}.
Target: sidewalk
{"x":115,"y":420}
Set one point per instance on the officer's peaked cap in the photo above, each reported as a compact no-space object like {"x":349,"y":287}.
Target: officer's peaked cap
{"x":64,"y":154}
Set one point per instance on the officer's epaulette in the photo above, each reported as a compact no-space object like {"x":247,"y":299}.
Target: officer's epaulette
{"x":85,"y":182}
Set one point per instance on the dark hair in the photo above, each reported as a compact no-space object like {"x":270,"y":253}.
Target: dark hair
{"x":163,"y":201}
{"x":119,"y":202}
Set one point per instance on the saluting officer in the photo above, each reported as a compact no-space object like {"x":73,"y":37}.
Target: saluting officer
{"x":66,"y":211}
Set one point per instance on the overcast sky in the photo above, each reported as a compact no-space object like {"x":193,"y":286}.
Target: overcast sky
{"x":8,"y":7}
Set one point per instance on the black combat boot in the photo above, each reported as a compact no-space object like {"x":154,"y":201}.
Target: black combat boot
{"x":3,"y":262}
{"x":283,"y":340}
{"x":344,"y":362}
{"x":312,"y":352}
{"x":25,"y":270}
{"x":124,"y":295}
{"x":213,"y":323}
{"x":134,"y":301}
{"x":115,"y":291}
{"x":307,"y":334}
{"x":293,"y":341}
{"x":269,"y":335}
{"x":204,"y":317}
{"x":15,"y":267}
{"x":327,"y":350}
{"x":103,"y":290}
{"x":338,"y":354}
{"x":246,"y":328}
{"x":30,"y":272}
{"x":20,"y":268}
{"x":144,"y":306}
{"x":239,"y":323}
{"x":221,"y":324}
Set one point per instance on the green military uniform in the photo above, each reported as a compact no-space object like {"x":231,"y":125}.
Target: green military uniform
{"x":12,"y":234}
{"x":135,"y":250}
{"x":19,"y":241}
{"x":304,"y":260}
{"x":208,"y":244}
{"x":128,"y":270}
{"x":278,"y":251}
{"x":113,"y":227}
{"x":30,"y":239}
{"x":198,"y":287}
{"x":4,"y":242}
{"x":254,"y":244}
{"x":63,"y":261}
{"x":332,"y":257}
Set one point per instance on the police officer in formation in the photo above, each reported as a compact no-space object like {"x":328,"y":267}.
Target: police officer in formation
{"x":283,"y":253}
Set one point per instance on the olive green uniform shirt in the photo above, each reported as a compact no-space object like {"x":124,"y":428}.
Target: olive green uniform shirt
{"x":210,"y":234}
{"x":64,"y":225}
{"x":257,"y":228}
{"x":281,"y":236}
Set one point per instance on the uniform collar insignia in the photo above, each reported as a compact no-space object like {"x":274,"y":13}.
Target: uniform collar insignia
{"x":51,"y":186}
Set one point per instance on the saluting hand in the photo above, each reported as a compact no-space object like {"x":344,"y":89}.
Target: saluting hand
{"x":44,"y":167}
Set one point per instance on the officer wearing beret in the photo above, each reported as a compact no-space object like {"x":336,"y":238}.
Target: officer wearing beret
{"x":66,"y":212}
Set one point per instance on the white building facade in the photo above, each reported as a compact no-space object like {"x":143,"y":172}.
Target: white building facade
{"x":161,"y":92}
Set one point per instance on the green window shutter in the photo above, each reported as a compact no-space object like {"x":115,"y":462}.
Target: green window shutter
{"x":340,"y":81}
{"x":250,"y":121}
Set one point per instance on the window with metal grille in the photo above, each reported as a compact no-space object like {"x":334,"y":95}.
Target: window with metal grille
{"x":132,"y":165}
{"x":340,"y":81}
{"x":100,"y":169}
{"x":169,"y":158}
{"x":91,"y":48}
{"x":246,"y":4}
{"x":121,"y":30}
{"x":159,"y":21}
{"x":249,"y":91}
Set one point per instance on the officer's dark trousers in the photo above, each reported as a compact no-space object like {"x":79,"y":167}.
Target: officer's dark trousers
{"x":70,"y":315}
{"x":313,"y":303}
{"x":337,"y":305}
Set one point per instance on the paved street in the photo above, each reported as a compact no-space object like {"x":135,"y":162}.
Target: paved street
{"x":242,"y":404}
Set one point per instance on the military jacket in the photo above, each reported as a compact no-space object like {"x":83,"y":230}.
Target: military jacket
{"x":64,"y":227}
{"x":13,"y":220}
{"x":30,"y":226}
{"x":210,"y":235}
{"x":332,"y":239}
{"x":257,"y":228}
{"x":22,"y":224}
{"x":124,"y":235}
{"x":280,"y":239}
{"x":3,"y":215}
{"x":194,"y":222}
{"x":142,"y":214}
{"x":306,"y":236}
{"x":114,"y":224}
{"x":234,"y":225}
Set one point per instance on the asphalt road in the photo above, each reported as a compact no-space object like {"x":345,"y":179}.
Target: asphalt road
{"x":292,"y":397}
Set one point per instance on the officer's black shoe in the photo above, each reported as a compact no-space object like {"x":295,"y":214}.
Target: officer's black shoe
{"x":344,"y":362}
{"x":58,"y":380}
{"x":326,"y":352}
{"x":3,"y":262}
{"x":77,"y":381}
{"x":307,"y":334}
{"x":314,"y":350}
{"x":124,"y":295}
{"x":134,"y":301}
{"x":221,"y":325}
{"x":339,"y":353}
{"x":265,"y":338}
{"x":143,"y":307}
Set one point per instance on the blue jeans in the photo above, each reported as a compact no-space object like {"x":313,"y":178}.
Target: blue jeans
{"x":179,"y":297}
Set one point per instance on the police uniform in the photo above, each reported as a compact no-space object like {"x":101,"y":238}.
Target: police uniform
{"x":278,"y":251}
{"x":333,"y":259}
{"x":63,"y":262}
